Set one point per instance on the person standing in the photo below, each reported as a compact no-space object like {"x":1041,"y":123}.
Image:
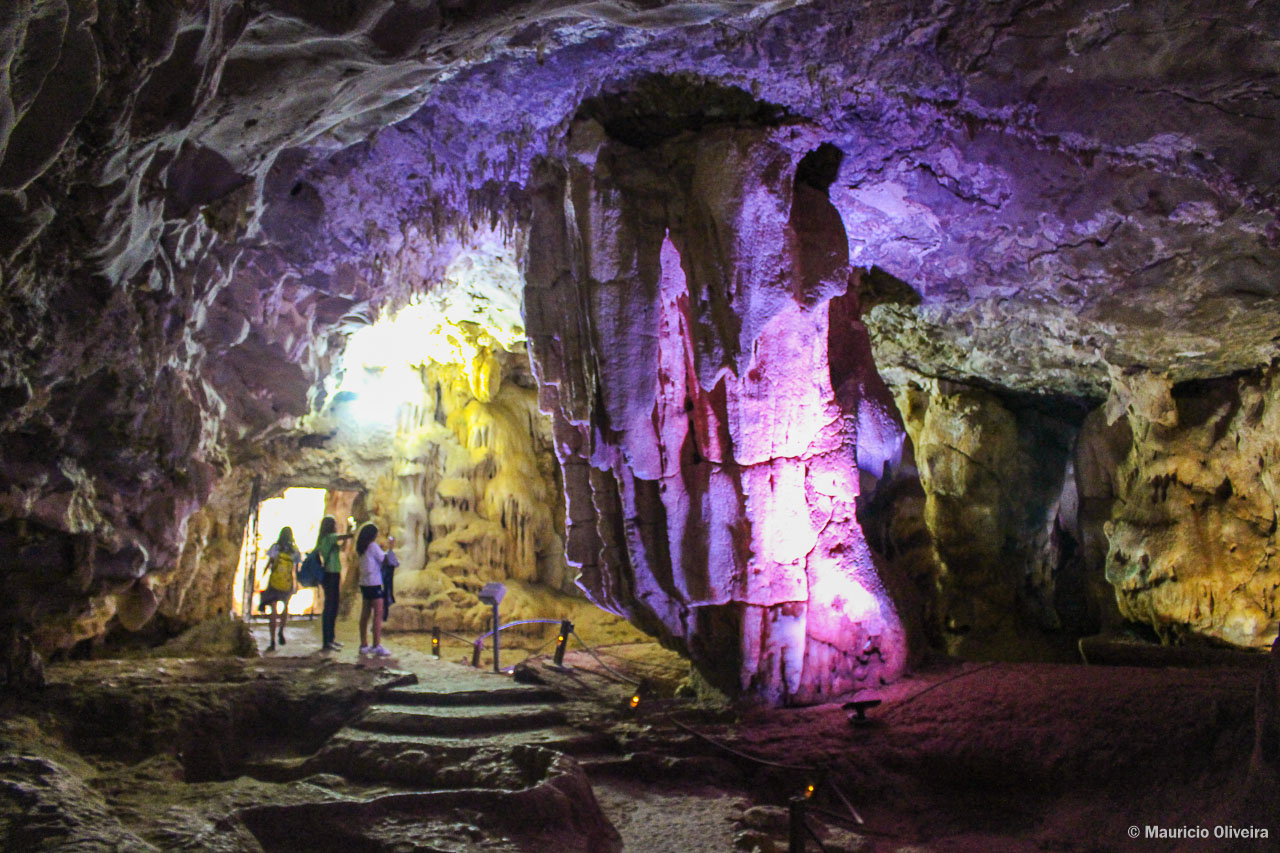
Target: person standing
{"x":389,"y":565}
{"x":371,"y":555}
{"x":329,"y":544}
{"x":282,"y":562}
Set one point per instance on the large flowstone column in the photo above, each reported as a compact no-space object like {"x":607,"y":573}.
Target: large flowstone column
{"x":678,"y":307}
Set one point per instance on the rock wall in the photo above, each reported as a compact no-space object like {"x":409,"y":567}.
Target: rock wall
{"x":1001,"y":507}
{"x":678,"y":310}
{"x":1192,"y":534}
{"x":470,"y":488}
{"x":1154,"y":511}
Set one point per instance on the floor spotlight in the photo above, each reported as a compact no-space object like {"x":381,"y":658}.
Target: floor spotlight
{"x":435,"y":642}
{"x":859,"y":708}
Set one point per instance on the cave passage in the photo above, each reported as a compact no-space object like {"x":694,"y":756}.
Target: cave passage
{"x":797,"y":353}
{"x":300,"y":509}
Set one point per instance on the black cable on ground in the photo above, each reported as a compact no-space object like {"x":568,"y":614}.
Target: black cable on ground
{"x":897,"y":706}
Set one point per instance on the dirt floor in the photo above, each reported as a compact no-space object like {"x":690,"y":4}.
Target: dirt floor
{"x":299,"y":749}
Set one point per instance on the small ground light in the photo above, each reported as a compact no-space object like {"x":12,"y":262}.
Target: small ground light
{"x":642,"y":690}
{"x":562,"y":642}
{"x":435,"y":643}
{"x":808,"y":791}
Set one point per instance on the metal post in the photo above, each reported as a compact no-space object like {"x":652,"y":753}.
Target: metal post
{"x":492,"y":594}
{"x":495,"y":637}
{"x":435,"y":642}
{"x":562,"y":642}
{"x":796,"y":827}
{"x":475,"y":654}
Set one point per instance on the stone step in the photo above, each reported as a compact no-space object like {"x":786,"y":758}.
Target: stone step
{"x":456,"y":720}
{"x":564,"y":739}
{"x":392,"y":758}
{"x":544,"y":801}
{"x":515,"y":695}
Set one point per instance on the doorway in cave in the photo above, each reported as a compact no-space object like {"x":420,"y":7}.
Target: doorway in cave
{"x":299,"y":508}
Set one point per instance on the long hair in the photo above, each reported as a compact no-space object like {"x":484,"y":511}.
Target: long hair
{"x":368,"y":533}
{"x":328,"y":524}
{"x":285,"y":542}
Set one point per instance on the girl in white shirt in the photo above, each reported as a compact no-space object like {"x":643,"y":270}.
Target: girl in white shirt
{"x":371,"y":555}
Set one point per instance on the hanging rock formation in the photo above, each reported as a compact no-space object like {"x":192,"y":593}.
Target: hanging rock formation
{"x":678,"y":310}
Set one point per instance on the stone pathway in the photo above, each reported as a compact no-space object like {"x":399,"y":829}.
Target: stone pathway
{"x":431,"y":753}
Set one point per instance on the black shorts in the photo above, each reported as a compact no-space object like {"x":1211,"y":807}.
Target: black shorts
{"x":271,"y":595}
{"x":371,"y":593}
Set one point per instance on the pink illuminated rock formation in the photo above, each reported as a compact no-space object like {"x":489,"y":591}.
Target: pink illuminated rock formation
{"x":711,"y":471}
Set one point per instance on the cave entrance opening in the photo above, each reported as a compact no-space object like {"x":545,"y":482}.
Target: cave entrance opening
{"x":298,"y":508}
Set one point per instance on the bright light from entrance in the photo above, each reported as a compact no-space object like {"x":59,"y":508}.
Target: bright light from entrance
{"x":300,"y":509}
{"x":475,"y":310}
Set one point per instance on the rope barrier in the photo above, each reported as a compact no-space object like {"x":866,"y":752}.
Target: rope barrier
{"x":531,"y":654}
{"x":802,"y":768}
{"x":513,"y":624}
{"x":809,"y":771}
{"x":591,"y":652}
{"x":897,"y":706}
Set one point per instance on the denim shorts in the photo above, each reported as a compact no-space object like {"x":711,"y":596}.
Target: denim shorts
{"x":371,"y":593}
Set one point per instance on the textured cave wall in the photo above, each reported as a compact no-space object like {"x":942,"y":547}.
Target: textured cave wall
{"x":1192,"y":533}
{"x":197,"y":201}
{"x":1155,"y":511}
{"x":147,"y":346}
{"x":678,"y":310}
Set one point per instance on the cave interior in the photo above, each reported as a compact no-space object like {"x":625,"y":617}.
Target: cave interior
{"x":813,"y":351}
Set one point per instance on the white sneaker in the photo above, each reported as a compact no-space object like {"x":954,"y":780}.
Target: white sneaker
{"x":380,"y":651}
{"x":364,"y":650}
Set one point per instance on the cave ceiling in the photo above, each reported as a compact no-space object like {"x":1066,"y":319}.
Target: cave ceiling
{"x":200,"y":200}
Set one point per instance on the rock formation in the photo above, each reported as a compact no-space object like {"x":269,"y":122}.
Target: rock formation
{"x":678,"y":309}
{"x":1047,"y":232}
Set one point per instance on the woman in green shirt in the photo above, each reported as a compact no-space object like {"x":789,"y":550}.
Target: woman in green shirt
{"x":329,"y":544}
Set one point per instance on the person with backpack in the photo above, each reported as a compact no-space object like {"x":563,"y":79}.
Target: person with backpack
{"x":283,"y":558}
{"x":329,"y":544}
{"x":389,"y":565}
{"x":371,"y":558}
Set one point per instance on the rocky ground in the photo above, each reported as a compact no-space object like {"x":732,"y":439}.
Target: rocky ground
{"x":297,"y":750}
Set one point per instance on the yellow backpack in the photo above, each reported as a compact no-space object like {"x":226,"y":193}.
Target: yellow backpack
{"x":282,"y":572}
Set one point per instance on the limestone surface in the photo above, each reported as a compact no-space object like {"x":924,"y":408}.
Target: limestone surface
{"x":201,"y":202}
